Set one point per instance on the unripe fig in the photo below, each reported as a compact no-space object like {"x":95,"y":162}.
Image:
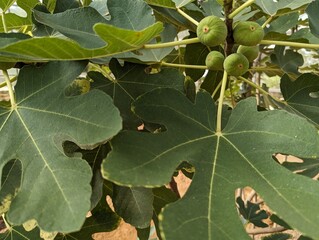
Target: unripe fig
{"x":248,"y":33}
{"x":214,"y":60}
{"x":236,"y":64}
{"x":250,"y":52}
{"x":211,"y":31}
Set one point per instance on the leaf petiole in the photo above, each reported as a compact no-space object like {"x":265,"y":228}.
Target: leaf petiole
{"x":203,"y":67}
{"x":290,"y":44}
{"x":216,"y":89}
{"x":241,"y":8}
{"x":171,"y":44}
{"x":185,"y":15}
{"x":260,"y":89}
{"x":220,"y":104}
{"x":267,"y":21}
{"x":11,"y":80}
{"x":4,"y":22}
{"x":10,"y":89}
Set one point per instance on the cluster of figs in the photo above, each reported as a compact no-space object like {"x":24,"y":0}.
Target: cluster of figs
{"x":212,"y":31}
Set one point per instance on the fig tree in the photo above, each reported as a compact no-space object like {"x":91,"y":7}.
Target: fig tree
{"x":211,"y":31}
{"x":250,"y":52}
{"x":248,"y":33}
{"x":214,"y":60}
{"x":236,"y":64}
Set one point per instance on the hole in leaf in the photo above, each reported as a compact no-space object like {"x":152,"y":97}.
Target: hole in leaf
{"x":181,"y":179}
{"x":258,"y":219}
{"x":10,"y":184}
{"x":307,"y":167}
{"x":153,"y":128}
{"x":249,"y":206}
{"x":314,"y":94}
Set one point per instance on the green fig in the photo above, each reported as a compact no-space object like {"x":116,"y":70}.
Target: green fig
{"x":214,"y":60}
{"x":211,"y":31}
{"x":248,"y":33}
{"x":250,"y":52}
{"x":236,"y":64}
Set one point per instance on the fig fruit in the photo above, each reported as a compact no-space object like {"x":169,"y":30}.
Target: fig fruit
{"x":211,"y":31}
{"x":250,"y":52}
{"x":236,"y":64}
{"x":214,"y":60}
{"x":248,"y":33}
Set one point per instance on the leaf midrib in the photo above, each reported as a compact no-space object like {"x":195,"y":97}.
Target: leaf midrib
{"x":45,"y":161}
{"x":63,"y":115}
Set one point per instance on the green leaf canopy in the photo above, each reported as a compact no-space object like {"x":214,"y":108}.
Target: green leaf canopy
{"x":55,"y":189}
{"x":271,"y":7}
{"x":223,"y":162}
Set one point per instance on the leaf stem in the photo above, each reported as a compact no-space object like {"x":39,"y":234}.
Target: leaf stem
{"x":185,"y":15}
{"x":216,"y":89}
{"x":183,"y":65}
{"x":267,"y":21}
{"x":239,"y":9}
{"x":171,"y":44}
{"x":260,"y":89}
{"x":290,"y":44}
{"x":220,"y":104}
{"x":4,"y":24}
{"x":5,"y":222}
{"x":11,"y":80}
{"x":10,"y":89}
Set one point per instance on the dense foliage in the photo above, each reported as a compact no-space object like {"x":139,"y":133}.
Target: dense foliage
{"x":114,"y":98}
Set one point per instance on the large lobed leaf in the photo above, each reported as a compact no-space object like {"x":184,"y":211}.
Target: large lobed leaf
{"x":55,"y":190}
{"x":123,"y":15}
{"x":301,"y":96}
{"x":239,"y":156}
{"x":117,"y":40}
